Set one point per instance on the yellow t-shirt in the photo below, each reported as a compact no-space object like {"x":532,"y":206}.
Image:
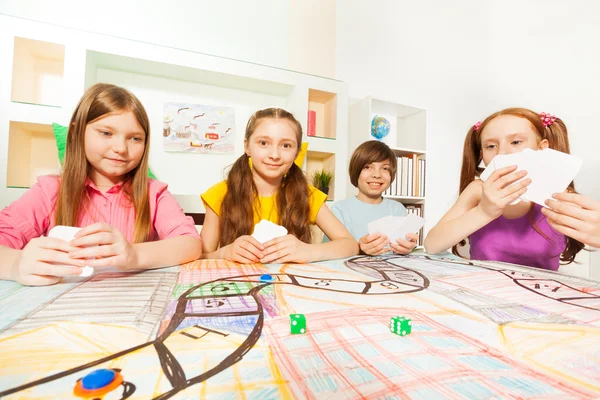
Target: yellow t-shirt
{"x":213,"y":198}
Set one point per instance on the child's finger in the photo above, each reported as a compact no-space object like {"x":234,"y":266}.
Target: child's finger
{"x":280,"y":254}
{"x":114,"y":261}
{"x":260,"y":246}
{"x":509,"y":179}
{"x":252,"y":249}
{"x":516,"y":187}
{"x":382,"y":251}
{"x":568,"y":209}
{"x":58,"y":257}
{"x":567,"y":231}
{"x":95,"y":251}
{"x":382,"y":241}
{"x":500,"y":172}
{"x":563,"y":219}
{"x":46,"y":269}
{"x":412,"y":237}
{"x":55,"y":244}
{"x":580,"y":200}
{"x":399,"y":249}
{"x":243,"y":260}
{"x":510,"y":198}
{"x":373,"y":236}
{"x":94,"y":228}
{"x":275,"y":241}
{"x":94,"y":239}
{"x":247,"y":255}
{"x":405,"y":243}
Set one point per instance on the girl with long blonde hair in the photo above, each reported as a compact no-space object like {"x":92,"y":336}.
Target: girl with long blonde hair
{"x":104,"y":189}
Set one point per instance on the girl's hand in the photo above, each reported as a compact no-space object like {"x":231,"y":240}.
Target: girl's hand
{"x":105,"y":246}
{"x":35,"y":266}
{"x":374,"y":244}
{"x":498,"y":190}
{"x":576,"y":216}
{"x":285,"y":249}
{"x":405,"y":246}
{"x":245,"y":250}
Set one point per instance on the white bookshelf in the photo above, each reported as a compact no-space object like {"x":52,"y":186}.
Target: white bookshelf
{"x":44,"y":70}
{"x":406,"y":137}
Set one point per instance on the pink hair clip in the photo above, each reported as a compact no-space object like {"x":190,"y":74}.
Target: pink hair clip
{"x":476,"y":126}
{"x":547,"y":119}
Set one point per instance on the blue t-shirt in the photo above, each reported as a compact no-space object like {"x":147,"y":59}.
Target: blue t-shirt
{"x":356,"y":215}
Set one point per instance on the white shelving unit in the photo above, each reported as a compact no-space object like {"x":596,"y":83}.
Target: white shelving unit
{"x":406,"y":137}
{"x":65,"y":62}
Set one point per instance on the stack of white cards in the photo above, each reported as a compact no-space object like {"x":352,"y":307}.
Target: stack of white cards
{"x":67,"y":233}
{"x":550,"y":171}
{"x":396,"y":227}
{"x":266,"y":230}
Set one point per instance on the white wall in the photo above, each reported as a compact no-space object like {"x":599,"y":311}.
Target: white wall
{"x":422,"y":54}
{"x":312,"y":39}
{"x":255,"y":31}
{"x":547,"y":57}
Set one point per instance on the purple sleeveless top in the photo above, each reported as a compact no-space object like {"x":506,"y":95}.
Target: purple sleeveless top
{"x":515,"y":241}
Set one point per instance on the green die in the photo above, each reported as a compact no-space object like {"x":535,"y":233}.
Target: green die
{"x":400,"y":325}
{"x":297,"y":323}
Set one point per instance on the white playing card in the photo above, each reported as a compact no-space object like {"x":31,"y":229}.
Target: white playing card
{"x":396,"y":227}
{"x":552,"y":172}
{"x":67,"y":233}
{"x":266,"y":230}
{"x":520,"y":159}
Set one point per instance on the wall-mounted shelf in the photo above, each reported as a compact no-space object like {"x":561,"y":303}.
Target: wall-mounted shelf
{"x":324,"y":106}
{"x":38,"y":69}
{"x":31,"y":152}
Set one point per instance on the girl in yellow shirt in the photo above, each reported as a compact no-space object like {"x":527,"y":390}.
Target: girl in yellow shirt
{"x":275,"y":189}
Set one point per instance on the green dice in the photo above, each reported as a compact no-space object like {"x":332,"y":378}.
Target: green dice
{"x":297,"y":323}
{"x":400,"y":325}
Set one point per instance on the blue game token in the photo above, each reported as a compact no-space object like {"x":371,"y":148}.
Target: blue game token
{"x":98,"y":379}
{"x":266,"y":278}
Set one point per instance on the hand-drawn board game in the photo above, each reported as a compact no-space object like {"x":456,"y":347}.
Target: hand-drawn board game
{"x":213,"y":329}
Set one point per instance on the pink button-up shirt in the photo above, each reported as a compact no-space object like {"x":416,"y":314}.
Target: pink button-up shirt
{"x":32,"y":215}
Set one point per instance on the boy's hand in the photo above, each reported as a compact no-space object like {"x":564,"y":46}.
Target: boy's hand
{"x":374,"y":244}
{"x":405,"y":246}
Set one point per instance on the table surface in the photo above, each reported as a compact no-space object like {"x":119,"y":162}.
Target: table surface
{"x":211,"y":328}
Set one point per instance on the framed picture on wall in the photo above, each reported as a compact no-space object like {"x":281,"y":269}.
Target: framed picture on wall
{"x":195,"y":128}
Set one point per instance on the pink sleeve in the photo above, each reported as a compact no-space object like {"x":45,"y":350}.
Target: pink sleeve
{"x":29,"y":216}
{"x":169,"y":218}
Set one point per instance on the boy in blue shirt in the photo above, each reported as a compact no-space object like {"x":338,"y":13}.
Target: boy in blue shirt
{"x":372,"y":170}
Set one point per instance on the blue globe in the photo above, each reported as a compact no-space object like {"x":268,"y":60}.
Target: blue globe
{"x":380,"y":127}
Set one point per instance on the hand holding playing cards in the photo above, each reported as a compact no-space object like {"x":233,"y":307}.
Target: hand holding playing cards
{"x":285,"y":249}
{"x":498,"y":190}
{"x":245,"y":250}
{"x":374,"y":244}
{"x":576,"y":216}
{"x":105,"y":246}
{"x":405,"y":246}
{"x":37,"y":264}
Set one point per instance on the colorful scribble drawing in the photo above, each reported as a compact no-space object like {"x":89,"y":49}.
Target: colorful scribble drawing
{"x":213,"y":328}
